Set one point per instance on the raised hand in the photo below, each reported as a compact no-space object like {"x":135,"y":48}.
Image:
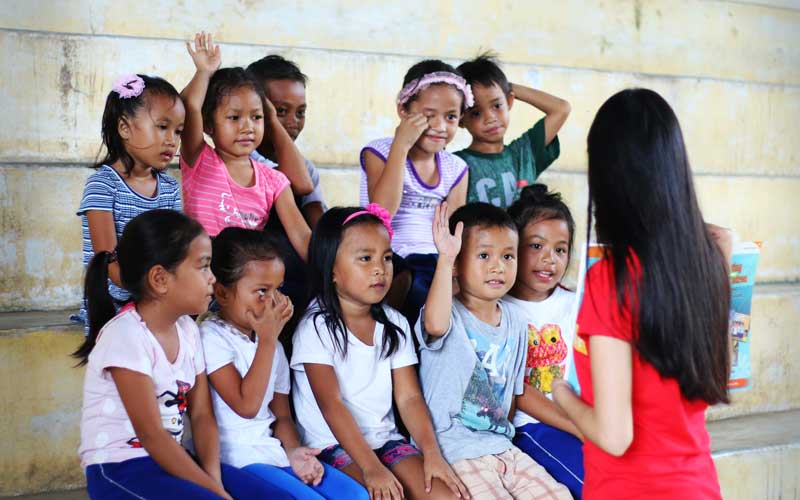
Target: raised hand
{"x":304,"y":463}
{"x":270,"y":322}
{"x":435,"y":466}
{"x":411,"y":127}
{"x":447,"y":244}
{"x":206,"y":55}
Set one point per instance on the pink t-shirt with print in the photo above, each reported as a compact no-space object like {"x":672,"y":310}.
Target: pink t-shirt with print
{"x":107,"y":434}
{"x":212,"y":197}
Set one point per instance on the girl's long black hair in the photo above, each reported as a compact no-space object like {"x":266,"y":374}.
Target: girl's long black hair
{"x":325,"y":241}
{"x":645,"y":206}
{"x":155,"y":237}
{"x":118,"y":108}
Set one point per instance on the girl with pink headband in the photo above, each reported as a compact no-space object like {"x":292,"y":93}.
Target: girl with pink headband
{"x":411,"y":173}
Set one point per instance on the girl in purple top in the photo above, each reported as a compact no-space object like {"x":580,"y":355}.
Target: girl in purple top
{"x":411,"y":173}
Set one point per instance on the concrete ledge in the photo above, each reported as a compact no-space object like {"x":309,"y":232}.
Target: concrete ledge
{"x":758,"y":456}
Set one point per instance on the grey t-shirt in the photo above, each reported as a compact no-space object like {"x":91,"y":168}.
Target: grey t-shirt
{"x":469,"y":377}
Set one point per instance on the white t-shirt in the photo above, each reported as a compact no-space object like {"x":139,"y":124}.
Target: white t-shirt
{"x":364,"y":376}
{"x":551,"y":329}
{"x":244,"y":441}
{"x":107,"y":434}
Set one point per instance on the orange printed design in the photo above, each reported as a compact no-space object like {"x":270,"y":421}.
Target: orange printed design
{"x":579,"y":345}
{"x":546,"y":354}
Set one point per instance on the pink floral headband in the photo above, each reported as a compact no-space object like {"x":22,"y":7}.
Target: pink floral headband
{"x":379,"y":212}
{"x":128,"y":86}
{"x":416,"y":86}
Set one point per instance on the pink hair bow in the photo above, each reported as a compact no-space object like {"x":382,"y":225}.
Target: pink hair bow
{"x":128,"y":86}
{"x":379,"y":212}
{"x":416,"y":86}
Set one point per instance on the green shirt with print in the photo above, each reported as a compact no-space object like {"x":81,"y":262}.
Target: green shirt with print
{"x":498,"y":178}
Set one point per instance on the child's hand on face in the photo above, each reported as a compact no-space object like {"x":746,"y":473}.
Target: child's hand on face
{"x":304,"y":463}
{"x":277,"y":312}
{"x":447,"y":244}
{"x":206,"y":55}
{"x":412,"y":126}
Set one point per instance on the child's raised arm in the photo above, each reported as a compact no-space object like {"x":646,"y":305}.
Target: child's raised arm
{"x":414,"y":412}
{"x":207,"y":59}
{"x":136,"y":392}
{"x":556,"y":110}
{"x":290,"y":161}
{"x":378,"y":480}
{"x":385,"y":180}
{"x":292,"y":220}
{"x":245,"y":395}
{"x":439,"y":303}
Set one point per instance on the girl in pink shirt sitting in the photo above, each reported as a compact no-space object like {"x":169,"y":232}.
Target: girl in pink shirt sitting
{"x":222,"y":186}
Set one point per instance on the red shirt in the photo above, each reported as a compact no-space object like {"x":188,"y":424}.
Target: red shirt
{"x":670,"y":455}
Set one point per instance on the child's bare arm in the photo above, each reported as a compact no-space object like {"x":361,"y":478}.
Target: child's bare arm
{"x":290,"y":162}
{"x":385,"y":179}
{"x":457,"y":196}
{"x":414,"y":412}
{"x":104,"y":238}
{"x":556,"y":110}
{"x":296,"y":228}
{"x":439,"y":303}
{"x":207,"y":59}
{"x":609,"y":423}
{"x":136,"y":392}
{"x":540,"y":407}
{"x":325,"y":387}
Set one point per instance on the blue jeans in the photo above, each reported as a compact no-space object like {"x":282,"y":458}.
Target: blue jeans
{"x":559,"y":452}
{"x":334,"y":484}
{"x":144,"y":478}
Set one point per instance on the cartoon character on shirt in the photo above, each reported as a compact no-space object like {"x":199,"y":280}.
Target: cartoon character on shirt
{"x":172,"y":420}
{"x":547,"y":352}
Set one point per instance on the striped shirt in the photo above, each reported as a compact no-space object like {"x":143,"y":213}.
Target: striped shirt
{"x":414,"y":218}
{"x":107,"y":191}
{"x":212,"y":197}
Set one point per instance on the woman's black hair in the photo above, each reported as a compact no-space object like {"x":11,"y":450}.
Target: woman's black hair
{"x":641,"y":188}
{"x":536,"y":204}
{"x":156,"y":237}
{"x":118,"y":108}
{"x":325,"y":241}
{"x":421,"y":69}
{"x":223,"y":82}
{"x":234,"y":247}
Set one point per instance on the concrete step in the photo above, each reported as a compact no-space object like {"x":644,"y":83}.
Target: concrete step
{"x":757,"y":457}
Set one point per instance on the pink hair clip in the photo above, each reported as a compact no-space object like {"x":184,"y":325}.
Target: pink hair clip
{"x":376,"y":210}
{"x":414,"y":87}
{"x":128,"y":86}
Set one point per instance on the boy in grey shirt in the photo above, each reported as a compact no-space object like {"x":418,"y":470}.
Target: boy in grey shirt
{"x":473,"y":352}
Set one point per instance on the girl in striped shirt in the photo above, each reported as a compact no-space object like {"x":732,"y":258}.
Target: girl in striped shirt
{"x":142,"y":121}
{"x":223,"y":186}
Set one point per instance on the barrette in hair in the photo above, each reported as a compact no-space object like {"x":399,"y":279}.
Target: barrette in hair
{"x":379,"y":212}
{"x":128,"y":86}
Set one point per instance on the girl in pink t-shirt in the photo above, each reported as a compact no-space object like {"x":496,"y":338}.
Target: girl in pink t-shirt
{"x":145,"y":370}
{"x":223,"y":186}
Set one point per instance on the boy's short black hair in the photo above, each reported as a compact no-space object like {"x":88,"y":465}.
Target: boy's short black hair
{"x":275,"y":67}
{"x":485,"y":71}
{"x":480,"y":214}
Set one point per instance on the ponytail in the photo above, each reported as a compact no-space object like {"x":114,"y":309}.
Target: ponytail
{"x":99,"y":304}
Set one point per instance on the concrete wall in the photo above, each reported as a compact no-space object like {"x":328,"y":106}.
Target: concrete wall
{"x":730,"y":69}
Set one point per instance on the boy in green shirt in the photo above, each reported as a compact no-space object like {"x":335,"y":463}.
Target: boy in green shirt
{"x":497,"y":173}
